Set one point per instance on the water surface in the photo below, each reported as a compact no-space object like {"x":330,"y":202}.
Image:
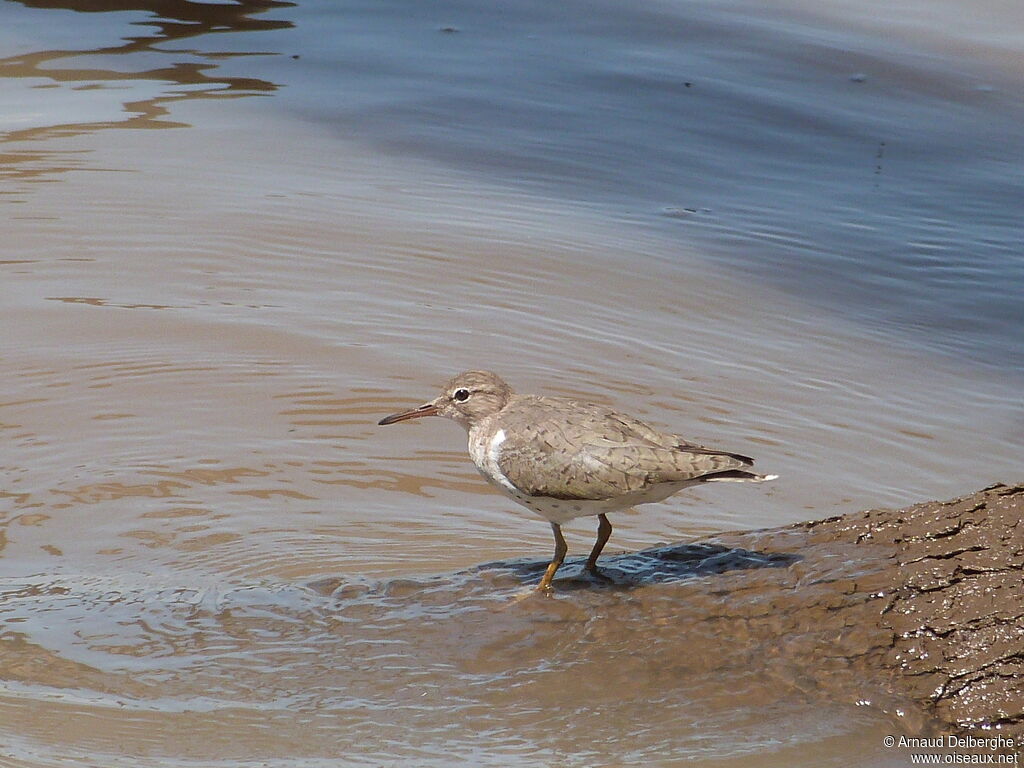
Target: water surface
{"x":237,"y":235}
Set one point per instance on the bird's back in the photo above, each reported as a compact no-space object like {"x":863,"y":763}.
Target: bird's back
{"x":568,"y":449}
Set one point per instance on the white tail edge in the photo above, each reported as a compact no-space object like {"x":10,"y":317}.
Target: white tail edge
{"x":750,"y":478}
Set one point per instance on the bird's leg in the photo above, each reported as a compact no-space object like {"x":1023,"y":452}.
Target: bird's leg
{"x":560,"y":550}
{"x":604,"y":530}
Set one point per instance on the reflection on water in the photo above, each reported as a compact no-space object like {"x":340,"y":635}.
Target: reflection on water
{"x":143,"y":63}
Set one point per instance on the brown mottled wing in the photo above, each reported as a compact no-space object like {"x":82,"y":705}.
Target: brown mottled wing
{"x":574,"y":451}
{"x":648,"y":433}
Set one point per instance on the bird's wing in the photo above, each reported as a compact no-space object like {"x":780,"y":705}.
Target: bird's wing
{"x":636,"y":466}
{"x":647,"y":433}
{"x":572,"y":450}
{"x":602,"y":469}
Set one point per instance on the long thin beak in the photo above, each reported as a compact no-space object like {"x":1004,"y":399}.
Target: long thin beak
{"x":427,"y":409}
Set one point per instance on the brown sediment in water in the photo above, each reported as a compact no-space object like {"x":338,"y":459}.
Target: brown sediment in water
{"x":916,"y":612}
{"x":919,"y":610}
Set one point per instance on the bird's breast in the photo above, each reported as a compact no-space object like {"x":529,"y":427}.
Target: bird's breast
{"x":485,"y":450}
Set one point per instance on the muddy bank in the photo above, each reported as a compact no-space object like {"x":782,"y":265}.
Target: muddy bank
{"x":941,"y":613}
{"x":915,"y":613}
{"x":918,"y":611}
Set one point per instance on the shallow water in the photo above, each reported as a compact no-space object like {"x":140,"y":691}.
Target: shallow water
{"x":237,"y":235}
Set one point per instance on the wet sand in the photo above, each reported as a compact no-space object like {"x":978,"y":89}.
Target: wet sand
{"x":223,"y":264}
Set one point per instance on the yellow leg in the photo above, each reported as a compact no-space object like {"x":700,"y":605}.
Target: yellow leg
{"x":560,"y":550}
{"x":604,"y":530}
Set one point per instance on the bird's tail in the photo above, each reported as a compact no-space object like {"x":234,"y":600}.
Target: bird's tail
{"x":737,"y":476}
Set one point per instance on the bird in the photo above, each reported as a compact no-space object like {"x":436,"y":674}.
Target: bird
{"x":564,"y":458}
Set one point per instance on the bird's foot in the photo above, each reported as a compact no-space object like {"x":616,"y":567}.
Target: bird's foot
{"x":595,"y":572}
{"x":532,"y":593}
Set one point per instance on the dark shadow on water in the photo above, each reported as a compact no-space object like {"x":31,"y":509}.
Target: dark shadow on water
{"x":658,"y":565}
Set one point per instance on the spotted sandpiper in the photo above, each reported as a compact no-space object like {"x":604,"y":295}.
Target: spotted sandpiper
{"x":564,"y":458}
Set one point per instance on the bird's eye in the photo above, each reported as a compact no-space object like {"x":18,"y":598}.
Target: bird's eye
{"x":461,"y":395}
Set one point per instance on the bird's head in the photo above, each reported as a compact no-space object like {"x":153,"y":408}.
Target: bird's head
{"x":467,"y":398}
